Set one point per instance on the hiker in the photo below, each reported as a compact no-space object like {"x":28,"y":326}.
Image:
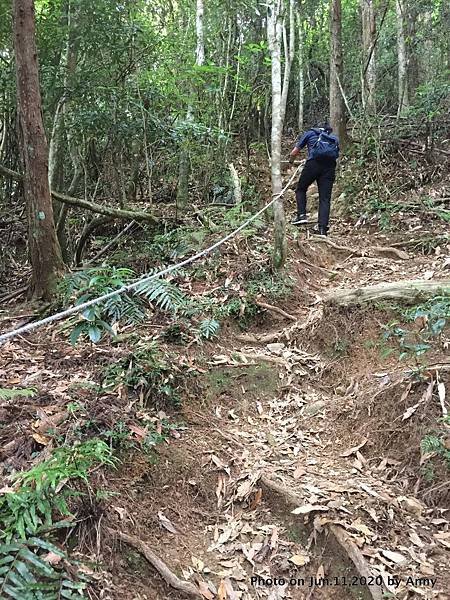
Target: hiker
{"x":323,"y":151}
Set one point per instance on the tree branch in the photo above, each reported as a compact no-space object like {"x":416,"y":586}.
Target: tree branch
{"x":118,"y":213}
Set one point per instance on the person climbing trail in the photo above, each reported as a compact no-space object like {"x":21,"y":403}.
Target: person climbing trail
{"x":320,"y":166}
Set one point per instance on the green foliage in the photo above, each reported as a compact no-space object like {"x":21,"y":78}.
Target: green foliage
{"x":27,"y":514}
{"x":25,"y":574}
{"x":435,"y":312}
{"x":11,"y":394}
{"x":209,"y":328}
{"x":122,"y":437}
{"x":433,"y":316}
{"x":147,"y":372}
{"x":128,"y":307}
{"x":36,"y":494}
{"x":433,"y":443}
{"x":273,"y":286}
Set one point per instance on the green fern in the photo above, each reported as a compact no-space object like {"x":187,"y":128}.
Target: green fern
{"x":6,"y":394}
{"x":209,"y":328}
{"x":164,"y":294}
{"x":26,"y":575}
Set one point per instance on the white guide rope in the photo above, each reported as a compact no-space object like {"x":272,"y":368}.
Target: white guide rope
{"x":132,"y":286}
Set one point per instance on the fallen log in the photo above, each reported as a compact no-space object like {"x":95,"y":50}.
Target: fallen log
{"x":336,"y":531}
{"x":117,"y":213}
{"x":401,"y":290}
{"x":187,"y":588}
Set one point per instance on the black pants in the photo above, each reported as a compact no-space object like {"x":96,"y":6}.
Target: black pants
{"x":324,"y":173}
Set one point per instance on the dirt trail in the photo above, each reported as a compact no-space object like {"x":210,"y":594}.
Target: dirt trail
{"x":283,"y":426}
{"x":293,"y":415}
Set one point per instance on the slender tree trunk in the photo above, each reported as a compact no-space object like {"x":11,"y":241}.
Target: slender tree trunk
{"x":59,"y":132}
{"x":289,"y":52}
{"x":43,"y":246}
{"x":411,"y":49}
{"x":337,"y":115}
{"x":274,"y":35}
{"x":403,"y":92}
{"x":368,"y":63}
{"x":185,"y":162}
{"x":301,"y":75}
{"x":200,"y":51}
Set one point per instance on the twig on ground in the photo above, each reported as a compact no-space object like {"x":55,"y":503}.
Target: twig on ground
{"x":275,"y":309}
{"x":169,"y":577}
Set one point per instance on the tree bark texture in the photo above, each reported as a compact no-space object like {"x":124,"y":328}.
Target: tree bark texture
{"x":403,"y":92}
{"x":274,"y":36}
{"x":337,"y":115}
{"x":402,"y":290}
{"x":301,"y":75}
{"x":43,"y":246}
{"x":185,"y":162}
{"x":368,"y":63}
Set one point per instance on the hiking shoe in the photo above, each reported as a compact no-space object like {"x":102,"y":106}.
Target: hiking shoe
{"x":317,"y":230}
{"x":299,"y":220}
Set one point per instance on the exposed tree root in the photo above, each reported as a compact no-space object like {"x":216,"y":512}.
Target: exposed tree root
{"x":421,"y":240}
{"x":285,"y":333}
{"x":383,"y":251}
{"x":338,"y":533}
{"x":169,"y":577}
{"x":328,"y":271}
{"x":403,"y":290}
{"x":276,"y":309}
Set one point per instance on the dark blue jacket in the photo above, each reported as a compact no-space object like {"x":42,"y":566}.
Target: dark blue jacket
{"x":310,"y":137}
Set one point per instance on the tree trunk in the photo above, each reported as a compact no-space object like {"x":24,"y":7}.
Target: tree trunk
{"x":411,"y":50}
{"x":57,"y":139}
{"x":403,"y":96}
{"x":185,"y":163}
{"x":200,"y":51}
{"x":337,"y":116}
{"x":43,"y":246}
{"x":368,"y":63}
{"x":301,"y":75}
{"x":274,"y":36}
{"x":289,"y":51}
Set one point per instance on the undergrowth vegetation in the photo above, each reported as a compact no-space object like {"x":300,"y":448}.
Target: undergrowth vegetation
{"x":32,"y":511}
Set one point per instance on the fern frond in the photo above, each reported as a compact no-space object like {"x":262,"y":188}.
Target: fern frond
{"x":209,"y":328}
{"x":10,"y":394}
{"x":163,"y":294}
{"x":26,"y":575}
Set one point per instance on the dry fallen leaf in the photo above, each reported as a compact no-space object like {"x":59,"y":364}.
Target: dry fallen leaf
{"x":355,"y":449}
{"x":395,"y":557}
{"x":416,"y":539}
{"x":256,"y":500}
{"x":299,"y":472}
{"x":41,"y":439}
{"x":166,"y":523}
{"x":307,"y":508}
{"x":299,"y":559}
{"x":411,"y":505}
{"x":52,"y":558}
{"x":205,"y":591}
{"x":222,"y":591}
